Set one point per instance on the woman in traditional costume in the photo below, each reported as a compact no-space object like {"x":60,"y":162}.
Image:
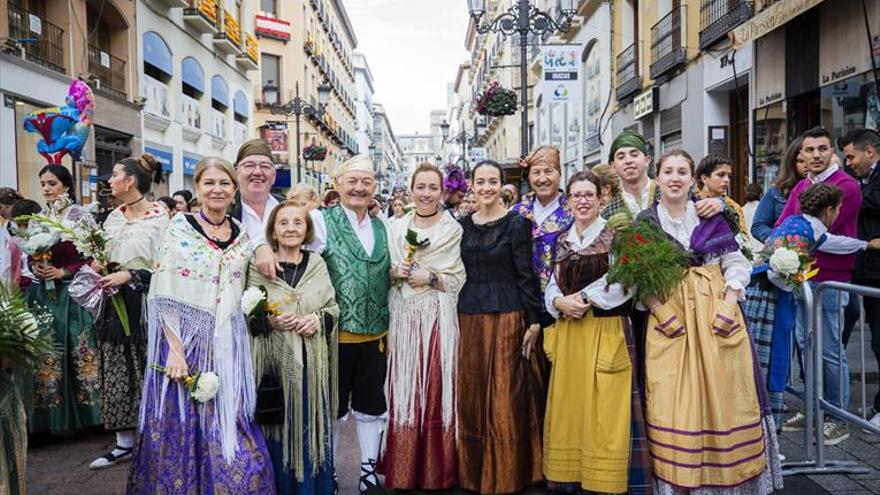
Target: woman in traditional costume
{"x":294,"y":355}
{"x":423,"y":340}
{"x":135,"y":231}
{"x":196,"y":326}
{"x":594,"y":430}
{"x":66,"y":384}
{"x":499,"y":390}
{"x":709,"y":423}
{"x":761,"y":295}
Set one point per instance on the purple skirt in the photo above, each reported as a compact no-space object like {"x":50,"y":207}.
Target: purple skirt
{"x":174,"y":455}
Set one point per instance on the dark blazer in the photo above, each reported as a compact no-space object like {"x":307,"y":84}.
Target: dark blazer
{"x":868,"y":261}
{"x":235,"y":207}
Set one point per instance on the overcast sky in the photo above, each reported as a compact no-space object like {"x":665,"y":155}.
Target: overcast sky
{"x":413,"y":48}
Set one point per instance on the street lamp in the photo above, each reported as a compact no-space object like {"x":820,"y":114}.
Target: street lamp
{"x":462,"y":139}
{"x":522,"y":18}
{"x":298,"y":106}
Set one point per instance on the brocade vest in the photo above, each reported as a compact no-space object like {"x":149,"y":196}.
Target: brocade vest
{"x":361,"y":281}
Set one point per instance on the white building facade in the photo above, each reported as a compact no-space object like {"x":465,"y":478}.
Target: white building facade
{"x":364,"y":117}
{"x":193,"y":64}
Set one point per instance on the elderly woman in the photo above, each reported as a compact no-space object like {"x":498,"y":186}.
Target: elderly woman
{"x":135,"y":231}
{"x":423,"y":341}
{"x":67,"y":382}
{"x":196,"y":326}
{"x":293,"y":354}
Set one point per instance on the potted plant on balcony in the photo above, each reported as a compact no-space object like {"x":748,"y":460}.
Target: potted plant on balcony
{"x":314,"y":152}
{"x":496,"y":101}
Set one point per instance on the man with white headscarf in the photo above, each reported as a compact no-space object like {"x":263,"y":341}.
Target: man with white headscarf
{"x":355,"y":247}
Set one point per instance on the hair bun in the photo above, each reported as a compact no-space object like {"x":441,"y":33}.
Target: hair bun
{"x":149,"y":162}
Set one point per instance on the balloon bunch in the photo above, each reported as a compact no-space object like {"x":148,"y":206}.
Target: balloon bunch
{"x":64,"y":129}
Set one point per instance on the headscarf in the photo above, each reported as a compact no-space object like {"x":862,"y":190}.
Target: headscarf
{"x":360,"y":163}
{"x":627,"y":139}
{"x":544,"y":155}
{"x":254,"y":147}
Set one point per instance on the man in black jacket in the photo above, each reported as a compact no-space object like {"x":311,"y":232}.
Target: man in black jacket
{"x":862,"y":150}
{"x":254,"y":199}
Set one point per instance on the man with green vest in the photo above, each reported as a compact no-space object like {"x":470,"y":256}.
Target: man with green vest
{"x":355,"y":247}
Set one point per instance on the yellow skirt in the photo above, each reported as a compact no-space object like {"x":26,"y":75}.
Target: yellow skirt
{"x":587,"y":422}
{"x":703,"y":415}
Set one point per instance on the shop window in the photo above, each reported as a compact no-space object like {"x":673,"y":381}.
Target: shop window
{"x":850,"y":104}
{"x":771,"y":140}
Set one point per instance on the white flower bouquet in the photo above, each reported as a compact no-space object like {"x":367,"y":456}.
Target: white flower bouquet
{"x":255,"y":302}
{"x":202,"y":386}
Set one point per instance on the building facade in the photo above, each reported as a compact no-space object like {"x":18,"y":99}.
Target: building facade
{"x":45,"y":46}
{"x":363,"y":78}
{"x":386,"y":151}
{"x":193,"y":59}
{"x":307,"y":43}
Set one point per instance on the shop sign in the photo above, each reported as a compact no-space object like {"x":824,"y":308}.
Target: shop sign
{"x":843,"y":52}
{"x":770,"y":19}
{"x":477,"y":154}
{"x":770,"y":69}
{"x":646,"y":102}
{"x":189,"y":164}
{"x":275,"y":133}
{"x":561,"y":66}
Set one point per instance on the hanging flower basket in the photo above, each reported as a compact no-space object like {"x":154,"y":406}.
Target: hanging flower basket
{"x":314,"y":152}
{"x":496,"y":101}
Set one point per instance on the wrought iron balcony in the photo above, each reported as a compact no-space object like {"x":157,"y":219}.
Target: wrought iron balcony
{"x":202,"y":15}
{"x":41,"y":40}
{"x":668,"y":49}
{"x":107,"y":71}
{"x":719,"y":17}
{"x":629,"y":81}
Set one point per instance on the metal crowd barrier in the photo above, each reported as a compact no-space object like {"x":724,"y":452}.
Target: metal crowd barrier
{"x":815,"y":404}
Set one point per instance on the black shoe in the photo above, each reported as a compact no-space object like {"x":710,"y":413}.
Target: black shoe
{"x":369,"y":482}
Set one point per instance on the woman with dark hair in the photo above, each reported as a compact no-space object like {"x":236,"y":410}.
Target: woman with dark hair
{"x":500,"y":389}
{"x":169,"y":204}
{"x":134,"y":231}
{"x":760,"y":302}
{"x":67,"y":382}
{"x":594,"y":431}
{"x":182,"y":200}
{"x":293,"y":353}
{"x":709,"y":423}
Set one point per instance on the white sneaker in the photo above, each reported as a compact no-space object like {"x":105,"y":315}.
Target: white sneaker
{"x":875,"y":420}
{"x":781,"y":457}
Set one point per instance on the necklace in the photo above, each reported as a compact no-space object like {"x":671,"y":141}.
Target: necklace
{"x":215,"y":224}
{"x":295,"y":270}
{"x":428,"y":216}
{"x":127,"y":205}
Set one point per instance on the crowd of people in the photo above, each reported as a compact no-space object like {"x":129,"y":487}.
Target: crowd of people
{"x":473,"y":336}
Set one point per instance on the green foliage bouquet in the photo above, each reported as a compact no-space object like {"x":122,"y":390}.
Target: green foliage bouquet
{"x":24,"y":331}
{"x":646,"y":260}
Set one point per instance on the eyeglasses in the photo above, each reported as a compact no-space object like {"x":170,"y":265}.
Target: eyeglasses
{"x":578,"y":197}
{"x":251,"y":166}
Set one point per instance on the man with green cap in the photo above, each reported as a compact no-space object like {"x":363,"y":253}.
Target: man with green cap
{"x":629,"y":159}
{"x":254,"y":200}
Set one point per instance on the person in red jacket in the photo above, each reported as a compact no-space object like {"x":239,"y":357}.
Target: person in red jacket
{"x":817,"y":150}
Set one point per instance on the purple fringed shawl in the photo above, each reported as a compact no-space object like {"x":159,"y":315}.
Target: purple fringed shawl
{"x":711,"y":239}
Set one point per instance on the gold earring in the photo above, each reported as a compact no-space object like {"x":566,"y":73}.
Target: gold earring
{"x":127,"y":187}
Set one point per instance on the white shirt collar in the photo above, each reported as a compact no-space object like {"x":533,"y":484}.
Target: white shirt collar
{"x":353,"y":218}
{"x":822,"y":177}
{"x":541,"y":212}
{"x":636,"y":204}
{"x":588,"y":236}
{"x":679,"y":228}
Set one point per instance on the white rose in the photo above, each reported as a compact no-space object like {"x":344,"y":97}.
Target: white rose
{"x":785,"y":262}
{"x":250,"y":299}
{"x":206,"y":387}
{"x":38,"y":242}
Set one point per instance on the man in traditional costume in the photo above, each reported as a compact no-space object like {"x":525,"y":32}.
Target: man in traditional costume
{"x":355,"y":247}
{"x":254,"y":200}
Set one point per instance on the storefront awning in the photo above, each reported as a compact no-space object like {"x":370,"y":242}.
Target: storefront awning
{"x":192,"y":74}
{"x":769,"y":19}
{"x":240,"y":104}
{"x":157,"y":53}
{"x":220,"y":91}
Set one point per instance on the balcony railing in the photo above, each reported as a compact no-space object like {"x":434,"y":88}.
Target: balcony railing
{"x":203,"y":15}
{"x":667,"y":43}
{"x":250,"y":58}
{"x":718,"y":17}
{"x":629,"y":80}
{"x":109,"y":70}
{"x":41,"y":40}
{"x":228,"y":39}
